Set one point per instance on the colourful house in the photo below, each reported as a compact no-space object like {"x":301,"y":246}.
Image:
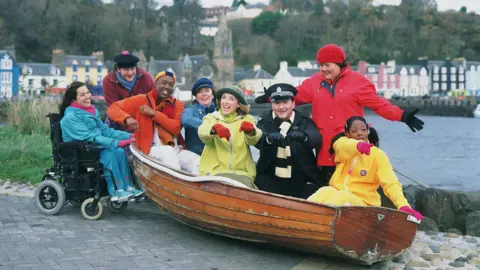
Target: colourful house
{"x":9,"y":74}
{"x":88,"y":69}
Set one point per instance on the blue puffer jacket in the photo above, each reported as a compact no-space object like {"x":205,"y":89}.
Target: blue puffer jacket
{"x":80,"y":125}
{"x":191,"y":120}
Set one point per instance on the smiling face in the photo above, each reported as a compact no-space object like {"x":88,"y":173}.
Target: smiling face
{"x":127,"y":73}
{"x":164,"y":86}
{"x":204,"y":96}
{"x":358,"y":131}
{"x":330,"y":70}
{"x":84,"y":97}
{"x":283,"y":108}
{"x":228,"y":104}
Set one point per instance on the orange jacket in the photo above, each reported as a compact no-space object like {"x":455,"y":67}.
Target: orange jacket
{"x":167,"y":123}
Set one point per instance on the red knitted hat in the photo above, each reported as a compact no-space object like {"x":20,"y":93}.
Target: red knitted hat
{"x":331,"y":53}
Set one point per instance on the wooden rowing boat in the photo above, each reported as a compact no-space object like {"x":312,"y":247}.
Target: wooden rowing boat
{"x":363,"y":235}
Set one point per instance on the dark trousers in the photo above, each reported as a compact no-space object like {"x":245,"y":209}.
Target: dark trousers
{"x":326,"y":173}
{"x":285,"y":186}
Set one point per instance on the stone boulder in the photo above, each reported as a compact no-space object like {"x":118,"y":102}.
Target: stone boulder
{"x":472,"y":223}
{"x":428,"y":224}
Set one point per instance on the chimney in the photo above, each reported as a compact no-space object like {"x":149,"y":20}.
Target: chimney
{"x":257,"y":67}
{"x":58,"y":57}
{"x":391,"y":64}
{"x":98,"y":55}
{"x":283,"y":65}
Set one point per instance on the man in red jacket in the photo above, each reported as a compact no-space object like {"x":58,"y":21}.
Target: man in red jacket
{"x":126,"y":79}
{"x":338,"y":93}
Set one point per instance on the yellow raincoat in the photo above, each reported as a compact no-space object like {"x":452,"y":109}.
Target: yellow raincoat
{"x":222,"y":156}
{"x":367,"y":173}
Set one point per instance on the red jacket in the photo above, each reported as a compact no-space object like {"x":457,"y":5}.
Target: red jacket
{"x":114,"y":91}
{"x":351,"y":92}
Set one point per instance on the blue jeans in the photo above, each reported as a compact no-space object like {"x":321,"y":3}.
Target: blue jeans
{"x":116,"y":161}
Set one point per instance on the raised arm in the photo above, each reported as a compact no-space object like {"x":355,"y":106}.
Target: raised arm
{"x":345,"y":149}
{"x":367,"y":96}
{"x":389,"y":181}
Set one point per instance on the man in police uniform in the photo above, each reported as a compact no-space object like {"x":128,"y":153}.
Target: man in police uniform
{"x":287,"y":163}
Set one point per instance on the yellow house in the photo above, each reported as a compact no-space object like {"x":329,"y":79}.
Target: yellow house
{"x":85,"y":69}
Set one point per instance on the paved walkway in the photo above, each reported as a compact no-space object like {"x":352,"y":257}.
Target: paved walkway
{"x":143,"y":237}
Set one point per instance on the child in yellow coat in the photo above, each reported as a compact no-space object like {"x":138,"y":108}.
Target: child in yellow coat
{"x":361,"y":168}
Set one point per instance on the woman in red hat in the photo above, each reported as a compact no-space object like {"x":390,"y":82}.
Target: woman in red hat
{"x":338,"y":93}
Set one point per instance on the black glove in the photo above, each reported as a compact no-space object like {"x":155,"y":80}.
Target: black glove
{"x":297,"y":135}
{"x":409,"y":118}
{"x":276,"y":138}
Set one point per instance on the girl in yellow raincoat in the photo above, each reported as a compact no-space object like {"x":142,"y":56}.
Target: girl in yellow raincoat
{"x":361,"y":168}
{"x":228,"y":134}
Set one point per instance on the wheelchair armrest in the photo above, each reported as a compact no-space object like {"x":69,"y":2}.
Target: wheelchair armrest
{"x":81,"y":145}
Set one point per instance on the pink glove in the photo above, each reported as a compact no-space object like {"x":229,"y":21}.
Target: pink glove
{"x":412,"y":212}
{"x":123,"y":143}
{"x":364,"y":147}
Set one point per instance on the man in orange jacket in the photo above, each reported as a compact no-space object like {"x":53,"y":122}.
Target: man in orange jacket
{"x":338,"y":93}
{"x":154,"y":113}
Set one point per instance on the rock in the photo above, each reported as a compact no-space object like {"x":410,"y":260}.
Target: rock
{"x":411,"y":193}
{"x":434,"y":248}
{"x":455,"y":231}
{"x":462,"y":259}
{"x":418,"y":262}
{"x":428,"y":225}
{"x":471,"y":240}
{"x":436,"y":261}
{"x":436,"y":204}
{"x":431,"y":256}
{"x":426,"y":250}
{"x":471,"y":256}
{"x":472,"y":223}
{"x":408,"y":268}
{"x":438,"y":238}
{"x":451,"y":235}
{"x":475,"y":260}
{"x":452,"y":254}
{"x":405,"y":257}
{"x":457,"y":264}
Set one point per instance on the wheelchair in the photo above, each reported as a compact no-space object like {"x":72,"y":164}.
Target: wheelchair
{"x":76,"y":177}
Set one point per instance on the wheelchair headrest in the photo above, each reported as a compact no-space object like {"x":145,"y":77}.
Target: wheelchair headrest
{"x":55,"y":129}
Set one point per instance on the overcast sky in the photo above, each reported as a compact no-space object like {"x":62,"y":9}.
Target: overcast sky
{"x":472,"y":5}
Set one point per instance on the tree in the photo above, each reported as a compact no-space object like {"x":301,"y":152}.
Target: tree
{"x":463,"y":10}
{"x":266,"y":23}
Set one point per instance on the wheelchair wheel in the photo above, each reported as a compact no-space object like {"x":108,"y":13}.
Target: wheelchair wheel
{"x":90,"y":211}
{"x":116,"y":207}
{"x":49,"y":197}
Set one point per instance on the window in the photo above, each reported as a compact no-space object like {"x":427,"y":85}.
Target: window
{"x":444,"y":70}
{"x":461,"y":77}
{"x":75,"y":68}
{"x":99,"y":79}
{"x":453,"y":70}
{"x":444,"y":86}
{"x":461,"y":86}
{"x":453,"y":86}
{"x":435,"y":69}
{"x":453,"y":77}
{"x":55,"y":82}
{"x":87,"y":68}
{"x":30,"y":82}
{"x":435,"y":87}
{"x":392,"y":78}
{"x":375,"y":77}
{"x":435,"y":77}
{"x":444,"y":77}
{"x":99,"y":69}
{"x":74,"y":78}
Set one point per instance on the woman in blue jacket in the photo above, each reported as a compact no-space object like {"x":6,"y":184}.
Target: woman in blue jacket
{"x":81,"y":122}
{"x":192,"y":116}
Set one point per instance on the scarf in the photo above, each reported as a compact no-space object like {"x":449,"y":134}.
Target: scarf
{"x":125,"y":83}
{"x":283,"y":168}
{"x":90,"y":109}
{"x":167,"y":107}
{"x":229,"y":118}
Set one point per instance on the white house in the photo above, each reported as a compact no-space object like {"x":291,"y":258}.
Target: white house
{"x":472,"y":76}
{"x":245,"y":12}
{"x":414,"y":81}
{"x":34,"y":77}
{"x":295,"y":75}
{"x":256,"y":79}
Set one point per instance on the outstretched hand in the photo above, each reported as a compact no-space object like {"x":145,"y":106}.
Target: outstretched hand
{"x":221,"y":131}
{"x":364,"y":147}
{"x":413,"y":122}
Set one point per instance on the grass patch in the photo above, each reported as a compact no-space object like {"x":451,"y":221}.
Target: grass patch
{"x":24,"y":157}
{"x":29,"y":116}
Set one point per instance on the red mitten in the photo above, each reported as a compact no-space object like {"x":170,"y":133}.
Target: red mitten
{"x":221,"y":131}
{"x":364,"y":147}
{"x":247,"y":127}
{"x":412,"y":212}
{"x":123,"y":143}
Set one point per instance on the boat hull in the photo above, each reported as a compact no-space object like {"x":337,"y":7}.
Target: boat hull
{"x":258,"y":216}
